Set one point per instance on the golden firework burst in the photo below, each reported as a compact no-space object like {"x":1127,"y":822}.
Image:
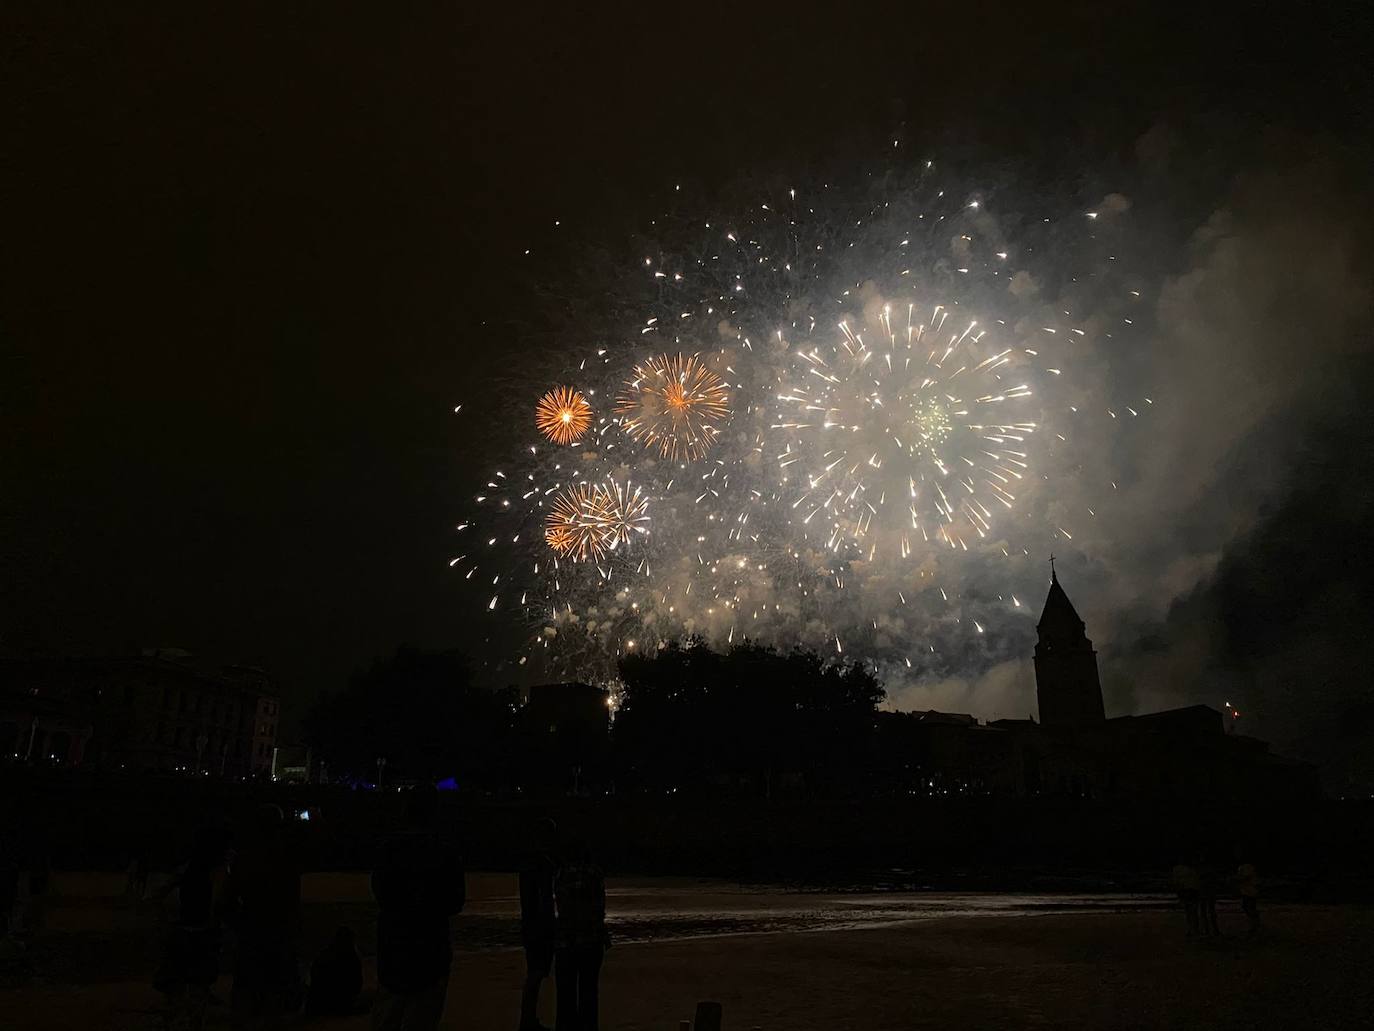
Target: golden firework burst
{"x":674,"y":404}
{"x":588,"y":520}
{"x":621,"y":510}
{"x":563,"y":415}
{"x":567,"y":529}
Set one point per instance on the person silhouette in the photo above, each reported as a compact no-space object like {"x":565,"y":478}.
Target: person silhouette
{"x":1247,"y":883}
{"x":1209,"y":883}
{"x":24,"y":873}
{"x":191,"y":964}
{"x":537,"y":919}
{"x":419,"y":886}
{"x":580,"y":938}
{"x":136,"y":886}
{"x":10,"y":869}
{"x":1187,"y":883}
{"x":336,"y":978}
{"x":264,"y":903}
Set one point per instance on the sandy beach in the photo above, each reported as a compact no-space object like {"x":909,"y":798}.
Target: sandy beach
{"x":783,"y":961}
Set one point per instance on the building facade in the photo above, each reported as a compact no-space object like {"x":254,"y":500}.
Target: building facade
{"x":157,"y":711}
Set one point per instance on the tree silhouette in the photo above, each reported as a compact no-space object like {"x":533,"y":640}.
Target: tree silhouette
{"x":750,"y":721}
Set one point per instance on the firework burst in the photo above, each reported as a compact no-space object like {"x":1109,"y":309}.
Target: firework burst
{"x":590,"y":520}
{"x":571,"y":528}
{"x":563,"y":415}
{"x":622,"y":510}
{"x":674,"y":405}
{"x":905,"y":434}
{"x":889,"y":482}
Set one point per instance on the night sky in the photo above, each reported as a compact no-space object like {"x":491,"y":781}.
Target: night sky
{"x":253,"y":258}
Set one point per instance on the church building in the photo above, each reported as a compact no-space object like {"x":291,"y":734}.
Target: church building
{"x":1075,"y":751}
{"x":1066,"y":683}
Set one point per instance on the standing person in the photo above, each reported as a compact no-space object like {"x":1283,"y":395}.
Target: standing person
{"x":537,"y":920}
{"x":419,"y":885}
{"x":336,"y":978}
{"x":137,"y":884}
{"x":9,"y":871}
{"x":191,"y":965}
{"x":1188,"y":884}
{"x":1247,"y":881}
{"x":1209,"y":878}
{"x":265,"y":910}
{"x":29,"y":882}
{"x":579,"y":894}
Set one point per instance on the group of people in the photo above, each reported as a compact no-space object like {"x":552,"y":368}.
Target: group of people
{"x":1198,"y":883}
{"x":419,"y":885}
{"x":563,"y":929}
{"x":255,"y":890}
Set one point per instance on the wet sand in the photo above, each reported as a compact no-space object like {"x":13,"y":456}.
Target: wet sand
{"x":782,"y":961}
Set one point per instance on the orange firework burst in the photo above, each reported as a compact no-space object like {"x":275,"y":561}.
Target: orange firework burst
{"x":589,"y":520}
{"x":563,"y":415}
{"x":569,"y":528}
{"x":674,"y":404}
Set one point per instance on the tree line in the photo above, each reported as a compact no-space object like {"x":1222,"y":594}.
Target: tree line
{"x":748,"y":720}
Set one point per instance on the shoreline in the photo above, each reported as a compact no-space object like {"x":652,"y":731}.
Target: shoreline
{"x":1127,"y":969}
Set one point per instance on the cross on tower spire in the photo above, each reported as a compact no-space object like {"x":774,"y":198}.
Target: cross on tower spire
{"x":1052,"y":573}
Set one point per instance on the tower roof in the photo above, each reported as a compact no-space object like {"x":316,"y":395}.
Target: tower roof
{"x":1058,"y":615}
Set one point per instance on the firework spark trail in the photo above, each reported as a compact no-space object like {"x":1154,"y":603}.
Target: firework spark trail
{"x":832,"y":421}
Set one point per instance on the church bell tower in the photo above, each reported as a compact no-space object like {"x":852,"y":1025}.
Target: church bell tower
{"x":1066,"y":682}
